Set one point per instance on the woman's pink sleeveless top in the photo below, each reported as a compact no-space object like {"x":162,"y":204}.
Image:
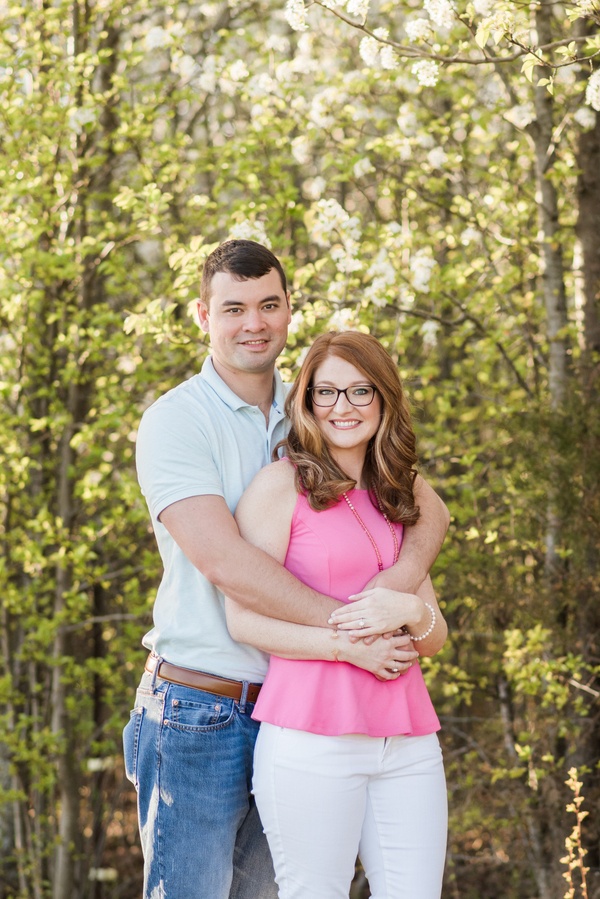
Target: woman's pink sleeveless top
{"x":330,"y":552}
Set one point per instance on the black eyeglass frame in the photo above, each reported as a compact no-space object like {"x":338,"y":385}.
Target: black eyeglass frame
{"x":310,"y":390}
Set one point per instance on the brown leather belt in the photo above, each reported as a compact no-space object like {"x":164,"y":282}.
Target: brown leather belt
{"x":187,"y":677}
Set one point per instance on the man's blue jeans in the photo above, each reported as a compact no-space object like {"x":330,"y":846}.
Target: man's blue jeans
{"x":189,"y":755}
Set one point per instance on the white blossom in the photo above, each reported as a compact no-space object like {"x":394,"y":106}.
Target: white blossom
{"x":441,"y":12}
{"x":278,"y":43}
{"x":323,"y":103}
{"x":157,"y":38}
{"x":369,"y":51}
{"x":208,"y":77}
{"x":296,"y":322}
{"x":421,"y":266}
{"x":364,"y":166}
{"x":418,"y":29}
{"x":483,"y":7}
{"x":588,"y":7}
{"x":346,"y":257}
{"x":301,"y":148}
{"x":407,"y":119}
{"x":427,"y":72}
{"x":80,"y":117}
{"x":389,"y":58}
{"x":248,"y":230}
{"x":184,"y":66}
{"x":437,"y":157}
{"x":469,"y":235}
{"x":592,"y":91}
{"x":521,"y":116}
{"x":585,"y":118}
{"x":329,"y":218}
{"x":314,"y":188}
{"x":404,"y":150}
{"x":341,"y":320}
{"x":375,"y":293}
{"x":238,"y":70}
{"x":429,"y":331}
{"x":295,"y":14}
{"x":358,"y":8}
{"x":499,"y":23}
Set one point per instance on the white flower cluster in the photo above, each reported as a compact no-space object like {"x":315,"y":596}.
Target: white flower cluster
{"x":322,"y":108}
{"x":585,"y":118}
{"x":157,"y":38}
{"x":421,"y":266}
{"x":295,"y":14}
{"x":521,"y":116}
{"x":426,"y":72}
{"x":441,"y":12}
{"x":208,"y":77}
{"x":364,"y":166}
{"x":342,"y":319}
{"x":429,"y":331}
{"x":483,"y":7}
{"x":80,"y":117}
{"x":384,"y":275}
{"x":469,"y":235}
{"x":314,"y":188}
{"x":437,"y":158}
{"x":333,"y":227}
{"x":248,"y":230}
{"x":418,"y":29}
{"x":329,"y":218}
{"x":375,"y":53}
{"x":592,"y":91}
{"x":499,"y":23}
{"x":588,"y":7}
{"x":358,"y":8}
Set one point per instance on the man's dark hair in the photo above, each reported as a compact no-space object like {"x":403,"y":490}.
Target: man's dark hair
{"x":243,"y":259}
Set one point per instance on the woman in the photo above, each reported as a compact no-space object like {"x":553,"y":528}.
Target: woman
{"x":346,"y":762}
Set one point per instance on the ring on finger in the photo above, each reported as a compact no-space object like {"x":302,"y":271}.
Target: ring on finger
{"x":361,"y":623}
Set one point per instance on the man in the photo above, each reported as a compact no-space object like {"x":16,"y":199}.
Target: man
{"x":189,"y":743}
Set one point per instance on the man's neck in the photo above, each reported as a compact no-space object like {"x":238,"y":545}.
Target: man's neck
{"x":255,"y":388}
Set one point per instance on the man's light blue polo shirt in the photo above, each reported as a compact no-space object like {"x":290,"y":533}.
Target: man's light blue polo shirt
{"x":201,"y":439}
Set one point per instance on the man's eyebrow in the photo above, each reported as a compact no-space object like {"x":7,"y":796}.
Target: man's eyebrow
{"x":270,"y":299}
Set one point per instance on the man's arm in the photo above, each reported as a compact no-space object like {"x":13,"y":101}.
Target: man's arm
{"x":296,"y":641}
{"x":207,"y":533}
{"x":420,"y":545}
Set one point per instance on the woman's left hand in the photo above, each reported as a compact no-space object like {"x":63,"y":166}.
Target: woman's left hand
{"x":377,"y":611}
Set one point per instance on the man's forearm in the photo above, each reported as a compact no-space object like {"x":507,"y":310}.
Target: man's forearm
{"x":272,"y":590}
{"x":421,"y":543}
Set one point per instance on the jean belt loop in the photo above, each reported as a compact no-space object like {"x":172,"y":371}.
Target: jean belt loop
{"x":244,"y":696}
{"x":159,"y":660}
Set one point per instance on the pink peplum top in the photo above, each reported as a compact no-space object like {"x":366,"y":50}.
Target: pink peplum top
{"x":330,"y":552}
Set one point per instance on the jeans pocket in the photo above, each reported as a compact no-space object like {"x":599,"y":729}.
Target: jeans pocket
{"x":131,"y":742}
{"x":202,"y":712}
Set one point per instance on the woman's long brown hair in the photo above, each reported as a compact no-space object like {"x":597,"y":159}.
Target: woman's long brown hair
{"x":389,"y":467}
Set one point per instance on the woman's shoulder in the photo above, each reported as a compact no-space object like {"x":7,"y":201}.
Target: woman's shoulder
{"x":274,"y":479}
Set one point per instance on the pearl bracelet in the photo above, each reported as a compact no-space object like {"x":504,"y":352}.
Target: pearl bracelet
{"x":431,"y":626}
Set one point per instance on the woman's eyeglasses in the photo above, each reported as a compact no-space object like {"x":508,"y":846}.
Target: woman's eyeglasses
{"x":359,"y":395}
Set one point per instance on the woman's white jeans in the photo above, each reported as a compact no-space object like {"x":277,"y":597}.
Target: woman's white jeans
{"x":323,"y":800}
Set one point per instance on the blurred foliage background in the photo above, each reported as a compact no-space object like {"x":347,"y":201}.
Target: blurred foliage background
{"x":426,"y":171}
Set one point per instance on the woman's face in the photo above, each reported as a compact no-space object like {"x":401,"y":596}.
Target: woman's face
{"x":346,"y":428}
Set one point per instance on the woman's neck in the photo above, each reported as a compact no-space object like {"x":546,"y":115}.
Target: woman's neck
{"x":353,"y":466}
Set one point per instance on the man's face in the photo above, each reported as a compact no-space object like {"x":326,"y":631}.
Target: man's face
{"x":247,"y":321}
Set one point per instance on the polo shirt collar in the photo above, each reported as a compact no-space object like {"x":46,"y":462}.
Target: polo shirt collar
{"x":209,"y":374}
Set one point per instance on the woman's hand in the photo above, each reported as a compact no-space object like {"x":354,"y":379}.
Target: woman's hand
{"x":386,"y":657}
{"x":377,"y":611}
